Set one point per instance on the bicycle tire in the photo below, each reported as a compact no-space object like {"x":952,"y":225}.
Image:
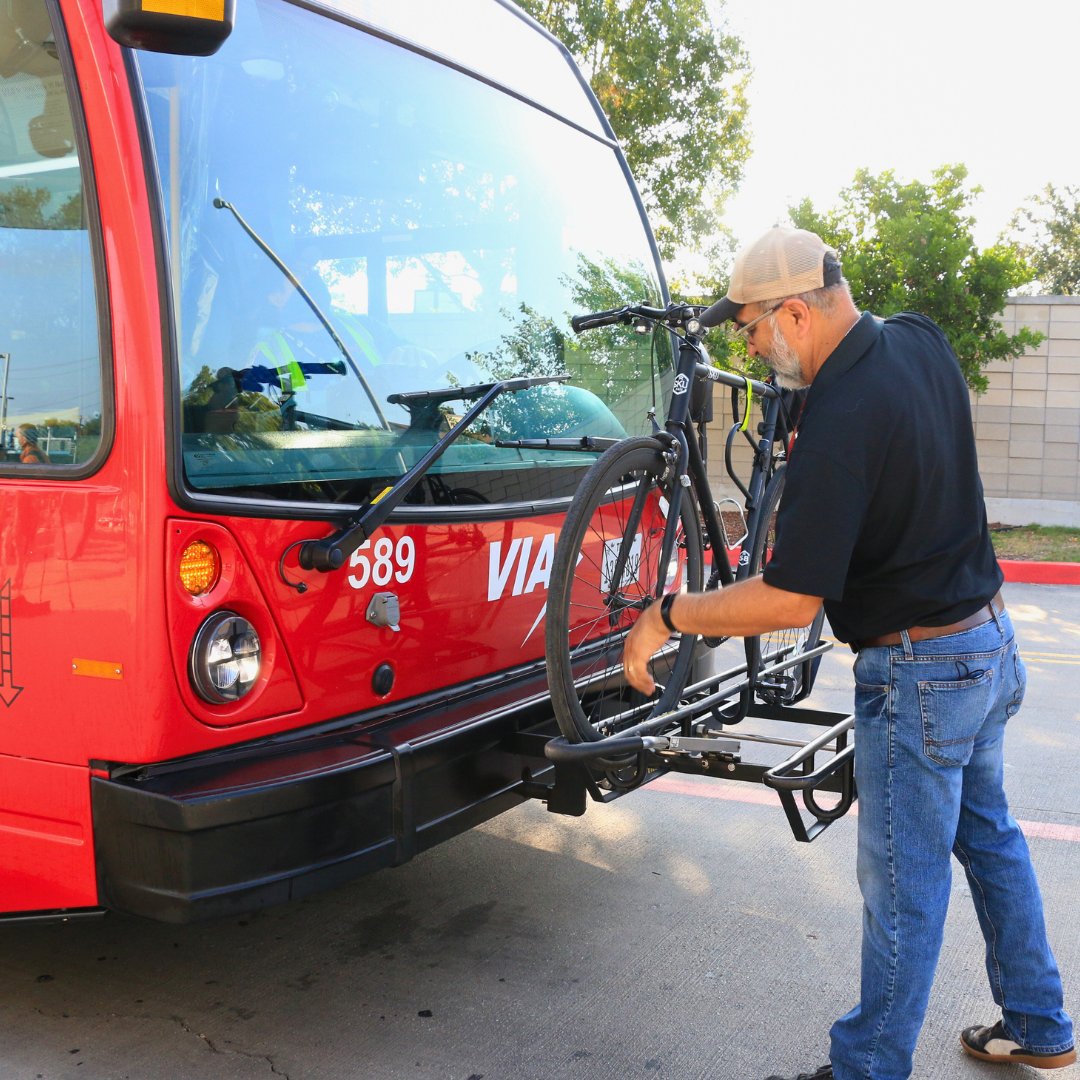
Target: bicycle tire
{"x":587,"y":620}
{"x":795,"y":683}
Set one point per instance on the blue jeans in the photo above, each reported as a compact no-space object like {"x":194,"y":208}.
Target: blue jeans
{"x":929,"y":731}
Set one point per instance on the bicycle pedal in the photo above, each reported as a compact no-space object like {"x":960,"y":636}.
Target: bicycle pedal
{"x":777,"y":691}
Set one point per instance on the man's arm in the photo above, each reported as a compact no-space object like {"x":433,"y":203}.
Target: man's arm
{"x":742,"y":610}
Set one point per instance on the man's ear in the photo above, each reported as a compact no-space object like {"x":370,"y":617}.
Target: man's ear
{"x":799,"y":311}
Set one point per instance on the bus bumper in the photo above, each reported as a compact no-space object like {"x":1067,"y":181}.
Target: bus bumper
{"x":282,"y":818}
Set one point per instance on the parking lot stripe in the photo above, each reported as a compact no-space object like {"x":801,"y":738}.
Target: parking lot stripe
{"x":741,"y":791}
{"x":1049,"y":658}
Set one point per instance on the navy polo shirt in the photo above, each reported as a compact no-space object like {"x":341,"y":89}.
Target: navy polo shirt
{"x":882,"y":512}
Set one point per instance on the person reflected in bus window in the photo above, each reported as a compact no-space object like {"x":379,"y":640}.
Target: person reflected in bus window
{"x":220,"y":411}
{"x":29,"y":452}
{"x":295,"y":350}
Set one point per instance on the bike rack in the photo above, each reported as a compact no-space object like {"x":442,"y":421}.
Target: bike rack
{"x":693,"y":739}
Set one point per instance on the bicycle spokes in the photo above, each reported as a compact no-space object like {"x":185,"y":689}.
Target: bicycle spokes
{"x":611,"y":553}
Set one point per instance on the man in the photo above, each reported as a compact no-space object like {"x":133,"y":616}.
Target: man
{"x":883,"y":518}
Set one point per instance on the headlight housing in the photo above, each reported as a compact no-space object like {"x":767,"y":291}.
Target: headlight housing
{"x":226,"y":658}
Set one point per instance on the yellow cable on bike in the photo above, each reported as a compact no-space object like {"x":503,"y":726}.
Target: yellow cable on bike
{"x":749,"y":402}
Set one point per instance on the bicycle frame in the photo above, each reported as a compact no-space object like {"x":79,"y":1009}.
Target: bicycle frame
{"x":690,"y":465}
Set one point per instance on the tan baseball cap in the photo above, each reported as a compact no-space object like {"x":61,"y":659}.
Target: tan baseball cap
{"x":784,"y":262}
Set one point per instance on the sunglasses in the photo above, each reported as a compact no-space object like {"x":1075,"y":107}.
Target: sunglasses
{"x":747,"y":328}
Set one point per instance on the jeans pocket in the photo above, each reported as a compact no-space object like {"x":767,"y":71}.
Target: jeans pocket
{"x":871,"y":701}
{"x":953,"y":712}
{"x":1020,"y":675}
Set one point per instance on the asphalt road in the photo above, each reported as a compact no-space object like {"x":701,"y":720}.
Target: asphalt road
{"x":679,"y":932}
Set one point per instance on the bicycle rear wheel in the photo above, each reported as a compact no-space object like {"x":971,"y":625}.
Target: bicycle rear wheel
{"x":605,"y":572}
{"x":793,"y":683}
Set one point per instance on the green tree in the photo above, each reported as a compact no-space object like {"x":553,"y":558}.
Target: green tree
{"x":1047,"y":233}
{"x":908,"y":246}
{"x":23,"y":207}
{"x":673,"y":85}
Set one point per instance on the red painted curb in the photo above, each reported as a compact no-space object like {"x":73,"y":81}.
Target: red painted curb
{"x":1040,"y":573}
{"x":1028,"y":573}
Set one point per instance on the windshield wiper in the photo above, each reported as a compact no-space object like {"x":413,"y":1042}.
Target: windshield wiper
{"x":294,"y":281}
{"x":331,"y":552}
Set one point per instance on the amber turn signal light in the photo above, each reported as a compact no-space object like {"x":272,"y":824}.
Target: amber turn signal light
{"x":200,"y":567}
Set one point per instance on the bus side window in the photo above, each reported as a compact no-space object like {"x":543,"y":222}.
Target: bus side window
{"x":50,"y":371}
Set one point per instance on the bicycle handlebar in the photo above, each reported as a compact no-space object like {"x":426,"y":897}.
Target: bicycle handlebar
{"x":672,"y":315}
{"x":599,"y":318}
{"x":676,"y":316}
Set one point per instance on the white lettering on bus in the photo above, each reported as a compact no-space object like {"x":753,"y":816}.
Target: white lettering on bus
{"x":382,"y":561}
{"x":532,"y":571}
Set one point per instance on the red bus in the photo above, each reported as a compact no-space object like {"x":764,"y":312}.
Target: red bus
{"x":284,"y":287}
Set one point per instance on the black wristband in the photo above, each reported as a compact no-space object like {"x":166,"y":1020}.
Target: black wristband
{"x":665,"y":612}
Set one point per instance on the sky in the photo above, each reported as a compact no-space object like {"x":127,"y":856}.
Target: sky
{"x":909,"y":86}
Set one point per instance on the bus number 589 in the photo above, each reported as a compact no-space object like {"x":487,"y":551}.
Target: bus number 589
{"x":382,"y":561}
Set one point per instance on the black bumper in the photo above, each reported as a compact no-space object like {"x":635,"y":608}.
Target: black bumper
{"x":279,"y":819}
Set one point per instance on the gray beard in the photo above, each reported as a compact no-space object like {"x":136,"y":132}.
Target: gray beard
{"x":784,"y":362}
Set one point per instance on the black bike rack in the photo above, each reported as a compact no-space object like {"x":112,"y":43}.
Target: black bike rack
{"x":693,"y":739}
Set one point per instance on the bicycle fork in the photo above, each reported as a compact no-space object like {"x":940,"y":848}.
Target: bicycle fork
{"x":614,"y":599}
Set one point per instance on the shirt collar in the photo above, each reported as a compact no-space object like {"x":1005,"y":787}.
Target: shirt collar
{"x":853,"y":347}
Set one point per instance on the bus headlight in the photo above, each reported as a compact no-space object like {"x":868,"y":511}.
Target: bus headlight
{"x":225,"y":658}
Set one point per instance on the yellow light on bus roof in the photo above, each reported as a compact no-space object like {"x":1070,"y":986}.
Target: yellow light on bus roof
{"x":187,"y":9}
{"x":200,"y":567}
{"x":182,"y":27}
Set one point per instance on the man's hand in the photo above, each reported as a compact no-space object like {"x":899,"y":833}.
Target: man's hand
{"x":645,"y":637}
{"x":740,"y":610}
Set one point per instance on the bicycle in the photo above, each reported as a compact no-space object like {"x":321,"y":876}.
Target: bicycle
{"x":640,"y":526}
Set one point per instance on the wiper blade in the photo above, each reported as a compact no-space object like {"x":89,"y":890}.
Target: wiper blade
{"x":331,"y":552}
{"x":465,"y":393}
{"x":294,"y":281}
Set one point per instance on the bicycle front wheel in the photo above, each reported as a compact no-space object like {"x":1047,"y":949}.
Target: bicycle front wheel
{"x":794,"y":682}
{"x":606,"y":571}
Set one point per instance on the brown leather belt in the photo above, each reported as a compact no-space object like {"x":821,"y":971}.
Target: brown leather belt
{"x":924,"y":633}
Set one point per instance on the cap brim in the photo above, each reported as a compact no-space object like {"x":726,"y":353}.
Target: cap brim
{"x":719,"y":312}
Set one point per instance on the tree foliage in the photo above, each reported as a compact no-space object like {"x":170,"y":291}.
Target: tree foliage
{"x":908,"y":246}
{"x":1047,"y":233}
{"x":673,"y":87}
{"x":23,"y":207}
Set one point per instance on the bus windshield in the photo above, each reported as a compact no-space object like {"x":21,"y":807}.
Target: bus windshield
{"x":350,"y":224}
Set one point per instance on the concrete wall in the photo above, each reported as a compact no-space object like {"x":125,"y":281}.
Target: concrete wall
{"x":1027,"y":424}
